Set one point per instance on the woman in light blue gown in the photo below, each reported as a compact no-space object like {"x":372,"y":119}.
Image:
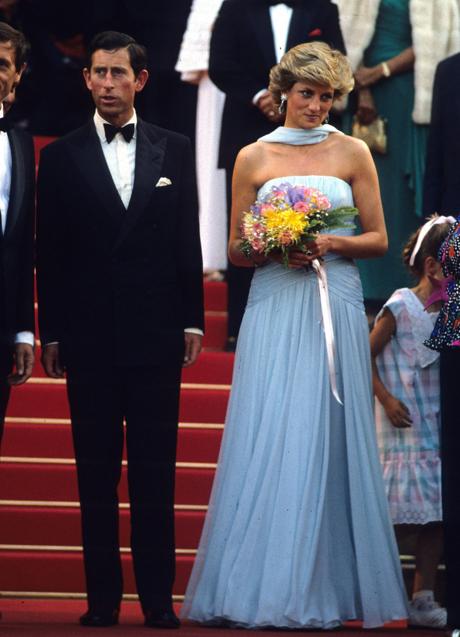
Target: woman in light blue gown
{"x":298,"y":532}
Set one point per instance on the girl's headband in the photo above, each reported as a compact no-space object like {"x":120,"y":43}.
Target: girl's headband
{"x":434,"y":221}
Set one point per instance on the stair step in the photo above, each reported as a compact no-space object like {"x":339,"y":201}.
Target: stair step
{"x":58,"y":525}
{"x":54,"y":440}
{"x":49,"y":400}
{"x":215,"y":296}
{"x":60,"y":571}
{"x":211,"y":367}
{"x":35,"y":481}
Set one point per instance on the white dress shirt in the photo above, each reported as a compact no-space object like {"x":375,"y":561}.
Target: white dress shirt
{"x":280,"y":16}
{"x":5,"y":187}
{"x":120,"y":156}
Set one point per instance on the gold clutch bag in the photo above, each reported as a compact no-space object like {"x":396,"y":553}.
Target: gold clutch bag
{"x":374,"y":134}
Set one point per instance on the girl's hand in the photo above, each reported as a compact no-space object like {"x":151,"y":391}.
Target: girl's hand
{"x":398,"y":413}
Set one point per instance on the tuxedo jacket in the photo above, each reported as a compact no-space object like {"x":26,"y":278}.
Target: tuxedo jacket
{"x":442,"y":173}
{"x":115,"y":284}
{"x":243,"y":52}
{"x":17,"y":244}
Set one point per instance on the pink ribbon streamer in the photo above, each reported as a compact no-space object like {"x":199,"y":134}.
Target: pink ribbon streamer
{"x":327,"y":325}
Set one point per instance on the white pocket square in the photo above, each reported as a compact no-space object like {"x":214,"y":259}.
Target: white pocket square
{"x":163,"y":181}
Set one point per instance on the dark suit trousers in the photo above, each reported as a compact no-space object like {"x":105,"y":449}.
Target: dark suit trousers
{"x":148,"y":398}
{"x":450,"y":456}
{"x":238,"y":279}
{"x":5,"y":369}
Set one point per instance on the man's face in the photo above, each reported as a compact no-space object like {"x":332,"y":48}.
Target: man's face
{"x":113,"y":84}
{"x":9,"y":75}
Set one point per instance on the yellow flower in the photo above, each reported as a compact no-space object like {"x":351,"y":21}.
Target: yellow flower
{"x":285,"y":221}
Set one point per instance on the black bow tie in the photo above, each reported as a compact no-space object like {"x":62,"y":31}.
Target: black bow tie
{"x":4,"y":124}
{"x":290,"y":3}
{"x":127,"y":132}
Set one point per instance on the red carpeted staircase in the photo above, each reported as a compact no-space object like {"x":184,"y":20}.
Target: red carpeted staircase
{"x":40,"y":539}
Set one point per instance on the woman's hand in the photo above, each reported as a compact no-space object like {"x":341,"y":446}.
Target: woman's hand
{"x":367,"y":111}
{"x":397,"y":412}
{"x":367,"y":76}
{"x":318,"y":248}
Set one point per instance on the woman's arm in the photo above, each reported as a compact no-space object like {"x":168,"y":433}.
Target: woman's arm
{"x":372,"y":242}
{"x":244,"y":193}
{"x":381,"y":334}
{"x":367,"y":76}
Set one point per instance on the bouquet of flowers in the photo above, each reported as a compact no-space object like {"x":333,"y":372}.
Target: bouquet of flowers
{"x":288,"y":216}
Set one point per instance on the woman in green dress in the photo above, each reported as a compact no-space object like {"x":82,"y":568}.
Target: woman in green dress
{"x":387,"y":87}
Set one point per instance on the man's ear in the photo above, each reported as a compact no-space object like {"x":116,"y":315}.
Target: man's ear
{"x":87,"y":77}
{"x":19,"y":74}
{"x":141,"y":80}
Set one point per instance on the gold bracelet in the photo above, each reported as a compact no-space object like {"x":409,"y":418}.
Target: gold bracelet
{"x":385,"y":69}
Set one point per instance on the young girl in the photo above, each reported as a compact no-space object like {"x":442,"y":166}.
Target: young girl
{"x":406,"y":384}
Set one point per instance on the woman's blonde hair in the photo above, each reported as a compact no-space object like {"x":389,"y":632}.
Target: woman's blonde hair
{"x":314,"y":62}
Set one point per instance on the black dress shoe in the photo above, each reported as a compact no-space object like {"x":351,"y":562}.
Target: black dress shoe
{"x":161,"y":619}
{"x":99,"y":619}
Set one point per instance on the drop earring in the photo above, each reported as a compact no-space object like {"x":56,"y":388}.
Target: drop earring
{"x":282,"y":106}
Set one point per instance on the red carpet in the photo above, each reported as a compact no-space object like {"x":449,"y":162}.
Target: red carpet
{"x":40,"y":537}
{"x":51,"y":618}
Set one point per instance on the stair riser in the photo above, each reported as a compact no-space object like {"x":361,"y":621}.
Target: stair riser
{"x":59,"y":483}
{"x":50,"y":401}
{"x":41,"y":526}
{"x":55,"y":441}
{"x":63,"y":572}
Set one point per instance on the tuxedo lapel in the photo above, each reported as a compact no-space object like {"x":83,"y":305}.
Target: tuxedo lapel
{"x":91,"y":163}
{"x":149,"y":161}
{"x":261,"y":26}
{"x":302,"y":24}
{"x":18,"y":186}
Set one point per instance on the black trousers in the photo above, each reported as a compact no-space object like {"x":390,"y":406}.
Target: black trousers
{"x":450,"y":455}
{"x":147,"y":398}
{"x":6,"y":362}
{"x":238,"y":279}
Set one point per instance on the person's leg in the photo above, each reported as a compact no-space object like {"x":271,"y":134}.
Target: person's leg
{"x":152,"y":409}
{"x":5,"y":368}
{"x":427,"y":557}
{"x":450,"y":454}
{"x":97,"y":428}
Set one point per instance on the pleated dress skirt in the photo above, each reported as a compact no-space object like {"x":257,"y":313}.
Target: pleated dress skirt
{"x":298,"y":532}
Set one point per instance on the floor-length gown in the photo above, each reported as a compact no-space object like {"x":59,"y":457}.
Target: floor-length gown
{"x":298,"y":532}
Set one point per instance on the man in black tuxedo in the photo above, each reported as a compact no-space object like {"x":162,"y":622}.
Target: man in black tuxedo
{"x":249,"y":37}
{"x":442,"y":195}
{"x":121,"y":309}
{"x":17,"y":181}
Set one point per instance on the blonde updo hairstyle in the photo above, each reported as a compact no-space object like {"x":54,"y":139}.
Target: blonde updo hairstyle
{"x":313,"y":62}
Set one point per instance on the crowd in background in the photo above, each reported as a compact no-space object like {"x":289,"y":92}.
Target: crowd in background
{"x":414,"y":34}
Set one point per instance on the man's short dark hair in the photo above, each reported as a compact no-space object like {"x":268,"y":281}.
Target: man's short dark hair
{"x":112,"y":41}
{"x":18,"y":42}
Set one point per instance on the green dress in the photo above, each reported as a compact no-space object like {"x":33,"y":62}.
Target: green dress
{"x":401,"y":169}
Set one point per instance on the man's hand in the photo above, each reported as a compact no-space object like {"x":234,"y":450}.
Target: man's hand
{"x":268,"y":107}
{"x":192,"y":348}
{"x":50,"y":361}
{"x":23,"y":364}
